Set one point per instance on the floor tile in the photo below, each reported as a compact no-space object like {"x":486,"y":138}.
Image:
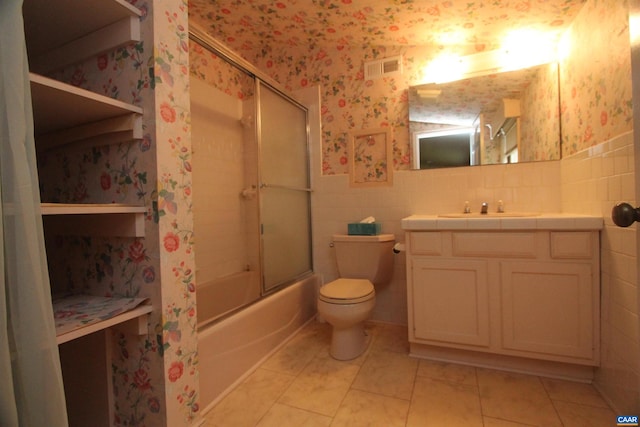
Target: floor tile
{"x":294,"y":356}
{"x":302,"y":385}
{"x":516,"y":397}
{"x":282,"y":415}
{"x":360,"y":408}
{"x":387,"y":373}
{"x":391,"y":338}
{"x":246,"y":404}
{"x":450,"y":372}
{"x":569,"y":391}
{"x":438,"y":403}
{"x":321,"y":386}
{"x":575,"y":415}
{"x":496,"y":422}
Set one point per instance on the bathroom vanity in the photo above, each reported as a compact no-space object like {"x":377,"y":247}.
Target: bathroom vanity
{"x":512,"y":292}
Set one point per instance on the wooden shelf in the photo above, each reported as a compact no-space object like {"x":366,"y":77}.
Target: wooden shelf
{"x":86,"y":208}
{"x":65,"y":32}
{"x":60,"y":109}
{"x":133,"y":321}
{"x":101,"y":220}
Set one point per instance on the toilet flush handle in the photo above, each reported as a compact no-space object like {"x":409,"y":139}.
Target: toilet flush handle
{"x":398,"y":247}
{"x":623,"y":214}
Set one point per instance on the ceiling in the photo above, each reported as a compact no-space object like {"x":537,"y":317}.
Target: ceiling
{"x":456,"y":26}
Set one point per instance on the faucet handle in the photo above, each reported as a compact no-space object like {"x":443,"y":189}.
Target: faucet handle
{"x":500,"y":206}
{"x":467,"y":209}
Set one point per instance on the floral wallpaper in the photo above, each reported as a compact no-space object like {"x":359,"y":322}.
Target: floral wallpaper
{"x":595,"y":78}
{"x":540,"y":111}
{"x":455,"y":25}
{"x":325,"y":43}
{"x":215,"y":71}
{"x":175,"y":217}
{"x":369,"y":162}
{"x":154,"y":377}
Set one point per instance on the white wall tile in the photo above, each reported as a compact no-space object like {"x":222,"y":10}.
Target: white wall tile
{"x":611,"y":180}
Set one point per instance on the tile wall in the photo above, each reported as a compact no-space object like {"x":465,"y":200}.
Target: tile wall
{"x":593,"y":181}
{"x":522,"y":187}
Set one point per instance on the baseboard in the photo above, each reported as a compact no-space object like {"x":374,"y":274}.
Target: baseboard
{"x":543,"y":368}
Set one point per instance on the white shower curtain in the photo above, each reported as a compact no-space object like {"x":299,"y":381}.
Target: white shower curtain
{"x":31,"y":390}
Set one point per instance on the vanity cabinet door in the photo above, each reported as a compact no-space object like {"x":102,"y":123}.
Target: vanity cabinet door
{"x":450,"y":301}
{"x":548,"y":309}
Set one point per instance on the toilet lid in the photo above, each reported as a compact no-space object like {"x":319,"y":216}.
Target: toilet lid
{"x":347,"y":289}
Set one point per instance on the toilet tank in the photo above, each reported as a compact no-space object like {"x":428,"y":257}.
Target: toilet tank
{"x":365,"y":257}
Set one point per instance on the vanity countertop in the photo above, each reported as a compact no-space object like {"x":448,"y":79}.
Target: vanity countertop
{"x":544,"y":221}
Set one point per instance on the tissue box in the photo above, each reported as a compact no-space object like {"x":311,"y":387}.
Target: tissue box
{"x":363,"y":229}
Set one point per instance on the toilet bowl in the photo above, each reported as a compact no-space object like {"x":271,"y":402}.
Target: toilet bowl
{"x":347,"y":302}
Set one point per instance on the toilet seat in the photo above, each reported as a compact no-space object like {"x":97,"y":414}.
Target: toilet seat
{"x":347,"y":291}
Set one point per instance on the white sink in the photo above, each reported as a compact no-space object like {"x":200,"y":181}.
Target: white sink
{"x":490,"y":215}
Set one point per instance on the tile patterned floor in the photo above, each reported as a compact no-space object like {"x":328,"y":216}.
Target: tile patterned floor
{"x":301,"y":385}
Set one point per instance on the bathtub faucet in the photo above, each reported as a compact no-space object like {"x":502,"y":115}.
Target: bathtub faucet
{"x":485,"y":208}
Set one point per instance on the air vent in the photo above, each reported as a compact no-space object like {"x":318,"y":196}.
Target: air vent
{"x":382,"y":67}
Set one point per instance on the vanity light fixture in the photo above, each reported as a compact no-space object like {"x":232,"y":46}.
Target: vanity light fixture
{"x":525,"y":48}
{"x":634,"y":25}
{"x":429,"y":93}
{"x":446,"y":68}
{"x":521,"y":49}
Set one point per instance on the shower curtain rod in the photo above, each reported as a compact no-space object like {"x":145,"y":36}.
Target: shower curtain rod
{"x":197,"y":34}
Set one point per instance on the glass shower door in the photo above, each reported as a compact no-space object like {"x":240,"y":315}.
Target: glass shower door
{"x":285,"y":213}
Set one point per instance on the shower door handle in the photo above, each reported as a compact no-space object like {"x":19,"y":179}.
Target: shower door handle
{"x":623,"y":214}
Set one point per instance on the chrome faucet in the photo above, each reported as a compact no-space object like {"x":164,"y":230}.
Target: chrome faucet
{"x":485,"y":208}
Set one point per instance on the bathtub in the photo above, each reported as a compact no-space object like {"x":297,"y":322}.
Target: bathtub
{"x":223,"y":295}
{"x":230,"y":348}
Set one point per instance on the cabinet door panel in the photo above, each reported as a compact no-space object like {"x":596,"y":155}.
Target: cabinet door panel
{"x":547,"y":308}
{"x":450,"y":300}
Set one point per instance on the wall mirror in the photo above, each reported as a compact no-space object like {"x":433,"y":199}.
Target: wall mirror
{"x":496,"y":118}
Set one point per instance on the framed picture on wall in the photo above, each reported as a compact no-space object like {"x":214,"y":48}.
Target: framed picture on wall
{"x":371,"y":157}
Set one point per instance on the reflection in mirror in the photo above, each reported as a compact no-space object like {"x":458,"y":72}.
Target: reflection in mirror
{"x":497,"y":118}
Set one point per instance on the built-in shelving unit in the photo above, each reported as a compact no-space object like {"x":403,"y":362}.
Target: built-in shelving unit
{"x":65,"y":114}
{"x":64,"y":32}
{"x":61,"y":33}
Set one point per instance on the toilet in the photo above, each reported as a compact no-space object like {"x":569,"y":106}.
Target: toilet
{"x":364,"y":262}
